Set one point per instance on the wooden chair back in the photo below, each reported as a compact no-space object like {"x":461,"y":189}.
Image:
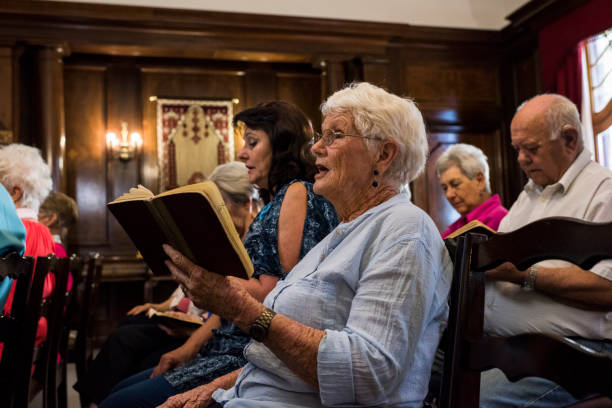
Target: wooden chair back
{"x":70,"y":310}
{"x":18,"y":328}
{"x":83,"y":347}
{"x":581,"y":371}
{"x":60,"y":268}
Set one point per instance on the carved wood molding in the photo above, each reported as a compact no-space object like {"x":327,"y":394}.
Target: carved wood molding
{"x":127,"y":30}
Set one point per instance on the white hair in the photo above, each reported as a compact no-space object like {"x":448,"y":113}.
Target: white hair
{"x":469,"y":159}
{"x":559,"y":113}
{"x":233,"y":180}
{"x":378,"y":113}
{"x":22,"y":166}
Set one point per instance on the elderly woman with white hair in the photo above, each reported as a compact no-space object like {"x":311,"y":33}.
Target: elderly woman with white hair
{"x":27,"y":179}
{"x":357,"y":320}
{"x":464,"y":177}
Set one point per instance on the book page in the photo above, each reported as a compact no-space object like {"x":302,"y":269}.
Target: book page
{"x":138,"y":193}
{"x":474,"y":225}
{"x":174,"y":318}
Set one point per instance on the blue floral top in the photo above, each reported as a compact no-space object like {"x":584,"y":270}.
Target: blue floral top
{"x":261,"y":242}
{"x":223,"y":353}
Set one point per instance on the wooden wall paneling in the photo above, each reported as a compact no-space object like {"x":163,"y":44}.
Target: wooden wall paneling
{"x":335,"y":75}
{"x":49,"y":111}
{"x":6,"y":94}
{"x":85,"y":106}
{"x":123,"y":104}
{"x":376,"y":71}
{"x":260,"y":86}
{"x":303,"y":91}
{"x":459,"y":96}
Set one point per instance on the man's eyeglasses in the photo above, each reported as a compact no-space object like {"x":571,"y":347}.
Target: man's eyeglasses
{"x":329,"y":136}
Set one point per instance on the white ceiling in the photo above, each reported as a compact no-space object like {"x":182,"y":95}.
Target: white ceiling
{"x":478,"y":14}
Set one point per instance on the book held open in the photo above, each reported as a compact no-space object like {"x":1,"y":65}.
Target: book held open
{"x":174,"y":320}
{"x":472,"y":226}
{"x":193,"y":219}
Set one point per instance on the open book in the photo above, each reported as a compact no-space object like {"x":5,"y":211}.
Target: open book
{"x":193,"y":219}
{"x":472,"y":226}
{"x":173,"y":320}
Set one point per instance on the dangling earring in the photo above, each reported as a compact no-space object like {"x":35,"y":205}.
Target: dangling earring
{"x":375,"y":182}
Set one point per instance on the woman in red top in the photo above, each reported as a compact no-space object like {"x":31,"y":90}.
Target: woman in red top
{"x":27,"y":179}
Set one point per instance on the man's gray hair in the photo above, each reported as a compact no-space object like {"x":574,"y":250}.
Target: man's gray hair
{"x":378,"y":113}
{"x":469,"y":159}
{"x":22,"y":166}
{"x":233,"y":180}
{"x":560,"y":112}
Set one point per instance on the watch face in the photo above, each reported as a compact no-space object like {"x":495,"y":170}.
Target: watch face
{"x":257,"y":332}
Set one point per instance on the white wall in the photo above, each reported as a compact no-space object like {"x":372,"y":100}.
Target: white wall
{"x":482,"y":14}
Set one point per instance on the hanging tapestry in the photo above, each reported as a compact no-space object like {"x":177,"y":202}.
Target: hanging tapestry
{"x":193,"y":137}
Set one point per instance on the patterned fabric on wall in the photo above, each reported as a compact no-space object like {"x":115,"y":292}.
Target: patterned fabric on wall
{"x":193,"y":137}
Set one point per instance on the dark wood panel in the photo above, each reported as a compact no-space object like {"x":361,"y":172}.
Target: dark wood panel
{"x":427,"y":193}
{"x":85,"y":104}
{"x":304,"y":91}
{"x":450,"y":84}
{"x":260,"y":86}
{"x":376,"y":72}
{"x":6,"y":95}
{"x":123,"y":104}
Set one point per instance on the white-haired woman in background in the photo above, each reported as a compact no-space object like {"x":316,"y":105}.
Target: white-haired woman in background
{"x":464,"y":177}
{"x":358,"y":319}
{"x":27,"y":179}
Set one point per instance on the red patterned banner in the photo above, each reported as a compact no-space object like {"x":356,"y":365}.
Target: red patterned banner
{"x":193,"y":137}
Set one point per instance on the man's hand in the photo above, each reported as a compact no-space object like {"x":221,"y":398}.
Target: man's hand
{"x":507,"y":272}
{"x":140,"y":309}
{"x":173,"y":359}
{"x":199,"y":397}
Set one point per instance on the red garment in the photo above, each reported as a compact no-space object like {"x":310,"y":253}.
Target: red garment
{"x":39,"y":242}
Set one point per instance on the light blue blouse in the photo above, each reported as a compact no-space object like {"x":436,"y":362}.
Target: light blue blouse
{"x":378,"y":286}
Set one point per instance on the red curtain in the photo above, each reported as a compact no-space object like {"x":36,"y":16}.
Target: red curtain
{"x":559,"y":52}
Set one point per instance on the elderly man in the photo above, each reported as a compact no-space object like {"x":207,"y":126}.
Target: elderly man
{"x":550,"y":297}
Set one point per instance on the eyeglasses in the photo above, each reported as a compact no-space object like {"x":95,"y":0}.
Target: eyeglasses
{"x":329,"y":136}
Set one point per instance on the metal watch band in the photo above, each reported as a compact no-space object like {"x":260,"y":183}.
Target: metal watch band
{"x":259,"y":329}
{"x":529,"y":283}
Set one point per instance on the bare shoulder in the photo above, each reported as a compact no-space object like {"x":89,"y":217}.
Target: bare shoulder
{"x":294,"y":201}
{"x":296,"y":191}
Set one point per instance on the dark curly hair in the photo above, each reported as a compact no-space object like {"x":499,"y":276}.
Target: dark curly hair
{"x":290,"y":133}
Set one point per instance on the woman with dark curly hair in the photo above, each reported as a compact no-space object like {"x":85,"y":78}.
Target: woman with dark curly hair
{"x":276,"y":153}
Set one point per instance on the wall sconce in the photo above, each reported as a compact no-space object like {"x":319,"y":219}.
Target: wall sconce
{"x":126,"y":147}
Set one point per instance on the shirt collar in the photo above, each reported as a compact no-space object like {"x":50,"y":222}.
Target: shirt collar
{"x":27,"y":213}
{"x":568,"y":177}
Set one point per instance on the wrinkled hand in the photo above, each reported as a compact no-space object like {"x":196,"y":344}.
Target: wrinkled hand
{"x":224,"y":296}
{"x":507,"y":272}
{"x":199,"y":397}
{"x":173,"y":359}
{"x":139,"y":309}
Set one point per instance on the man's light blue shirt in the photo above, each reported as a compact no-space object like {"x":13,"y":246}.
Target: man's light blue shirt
{"x":378,"y":287}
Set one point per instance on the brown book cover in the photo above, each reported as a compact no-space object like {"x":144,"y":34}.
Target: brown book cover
{"x":173,"y":320}
{"x":193,"y":219}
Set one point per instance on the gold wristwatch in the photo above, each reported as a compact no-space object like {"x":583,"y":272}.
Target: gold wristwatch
{"x":259,"y":329}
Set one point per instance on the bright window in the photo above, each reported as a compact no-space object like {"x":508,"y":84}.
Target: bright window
{"x":598,"y":53}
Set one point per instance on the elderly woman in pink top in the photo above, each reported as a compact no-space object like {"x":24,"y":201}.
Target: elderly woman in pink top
{"x":464,"y":178}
